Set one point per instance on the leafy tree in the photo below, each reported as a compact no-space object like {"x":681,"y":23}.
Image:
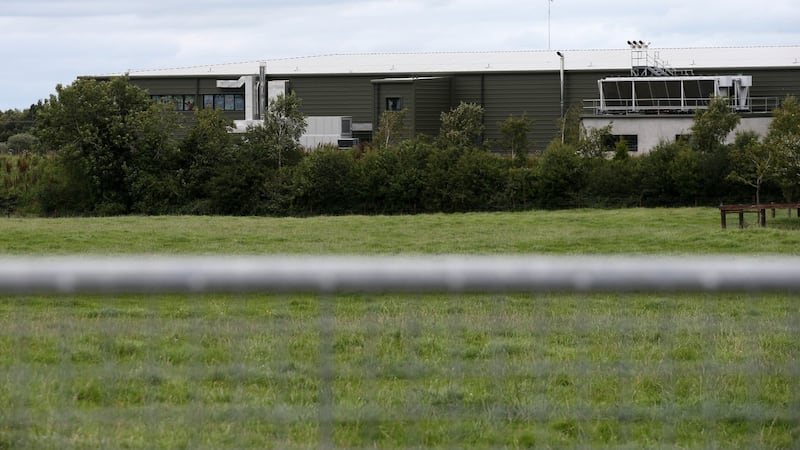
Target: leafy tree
{"x":515,"y":132}
{"x":595,"y":142}
{"x":203,"y":153}
{"x":658,"y":185}
{"x":560,"y":175}
{"x":153,"y":170}
{"x":439,"y":183}
{"x":279,"y":136}
{"x":520,"y":191}
{"x":712,"y":125}
{"x":95,"y":128}
{"x":479,"y":179}
{"x":612,"y":182}
{"x":391,"y":128}
{"x":242,"y":181}
{"x":710,"y":129}
{"x":15,"y":121}
{"x":754,"y":162}
{"x":19,"y":176}
{"x":687,"y":176}
{"x":57,"y":193}
{"x":621,"y":152}
{"x":571,"y":126}
{"x":237,"y":186}
{"x":327,"y":181}
{"x":462,"y":126}
{"x":22,"y":142}
{"x":783,"y":137}
{"x":464,"y":179}
{"x":395,"y":177}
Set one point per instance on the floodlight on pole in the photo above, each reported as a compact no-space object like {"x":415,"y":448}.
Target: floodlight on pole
{"x":561,"y":73}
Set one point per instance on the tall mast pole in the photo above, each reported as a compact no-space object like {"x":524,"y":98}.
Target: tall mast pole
{"x":548,"y":23}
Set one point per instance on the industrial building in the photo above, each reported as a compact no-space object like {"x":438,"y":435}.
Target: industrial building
{"x":647,"y":94}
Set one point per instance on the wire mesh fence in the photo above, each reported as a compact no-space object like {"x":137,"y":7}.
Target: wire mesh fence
{"x":452,"y":352}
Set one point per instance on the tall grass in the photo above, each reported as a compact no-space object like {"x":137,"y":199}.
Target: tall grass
{"x":433,"y":371}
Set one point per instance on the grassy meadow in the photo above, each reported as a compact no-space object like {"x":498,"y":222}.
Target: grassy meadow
{"x":590,"y":231}
{"x":402,"y":371}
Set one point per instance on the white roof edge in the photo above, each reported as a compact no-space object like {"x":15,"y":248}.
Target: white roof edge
{"x":676,"y":77}
{"x":492,"y":61}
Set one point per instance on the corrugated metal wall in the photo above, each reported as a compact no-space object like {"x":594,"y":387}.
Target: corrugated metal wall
{"x":431,"y":98}
{"x":535,"y":94}
{"x":774,"y":83}
{"x":334,"y":95}
{"x":501,"y":94}
{"x":405,"y":92}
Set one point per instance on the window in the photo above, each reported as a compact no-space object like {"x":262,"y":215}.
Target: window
{"x":631,"y":140}
{"x":219,"y":101}
{"x":188,"y":102}
{"x":226,"y":102}
{"x":178,"y":102}
{"x":394,"y":103}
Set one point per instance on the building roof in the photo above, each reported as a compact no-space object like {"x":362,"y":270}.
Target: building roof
{"x":502,"y":61}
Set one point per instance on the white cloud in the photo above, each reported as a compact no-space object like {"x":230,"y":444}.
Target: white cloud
{"x":54,"y":41}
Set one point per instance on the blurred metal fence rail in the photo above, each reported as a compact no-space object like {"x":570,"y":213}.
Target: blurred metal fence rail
{"x":500,"y":357}
{"x":457,"y":274}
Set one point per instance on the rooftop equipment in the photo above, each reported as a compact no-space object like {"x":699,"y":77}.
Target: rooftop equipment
{"x":654,"y":87}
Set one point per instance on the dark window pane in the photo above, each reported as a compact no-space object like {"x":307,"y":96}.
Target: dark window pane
{"x":394,"y":104}
{"x":230,"y":104}
{"x":239,"y":103}
{"x":219,"y":101}
{"x":188,"y":102}
{"x":208,"y":101}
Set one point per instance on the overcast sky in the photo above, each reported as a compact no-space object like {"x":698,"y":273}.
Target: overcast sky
{"x":47,"y":42}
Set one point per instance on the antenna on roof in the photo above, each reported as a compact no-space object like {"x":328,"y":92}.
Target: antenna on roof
{"x":548,"y":23}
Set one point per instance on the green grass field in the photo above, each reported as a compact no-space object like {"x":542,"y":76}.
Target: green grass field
{"x":404,"y":371}
{"x":631,"y":231}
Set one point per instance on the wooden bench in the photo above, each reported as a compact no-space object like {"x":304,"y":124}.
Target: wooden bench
{"x":760,"y":209}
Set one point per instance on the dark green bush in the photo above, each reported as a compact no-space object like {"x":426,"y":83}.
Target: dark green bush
{"x":560,"y":177}
{"x":326,"y":181}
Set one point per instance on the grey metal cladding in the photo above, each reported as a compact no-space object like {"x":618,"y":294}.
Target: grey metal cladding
{"x":334,"y":95}
{"x":432,"y":97}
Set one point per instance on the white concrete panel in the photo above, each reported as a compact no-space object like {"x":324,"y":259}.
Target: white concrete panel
{"x":652,"y":131}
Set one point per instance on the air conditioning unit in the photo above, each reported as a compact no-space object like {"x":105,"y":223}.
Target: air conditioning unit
{"x":328,"y":130}
{"x":348,"y":142}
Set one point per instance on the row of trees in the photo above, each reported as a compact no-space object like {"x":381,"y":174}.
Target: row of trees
{"x":15,"y":130}
{"x":110,"y":150}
